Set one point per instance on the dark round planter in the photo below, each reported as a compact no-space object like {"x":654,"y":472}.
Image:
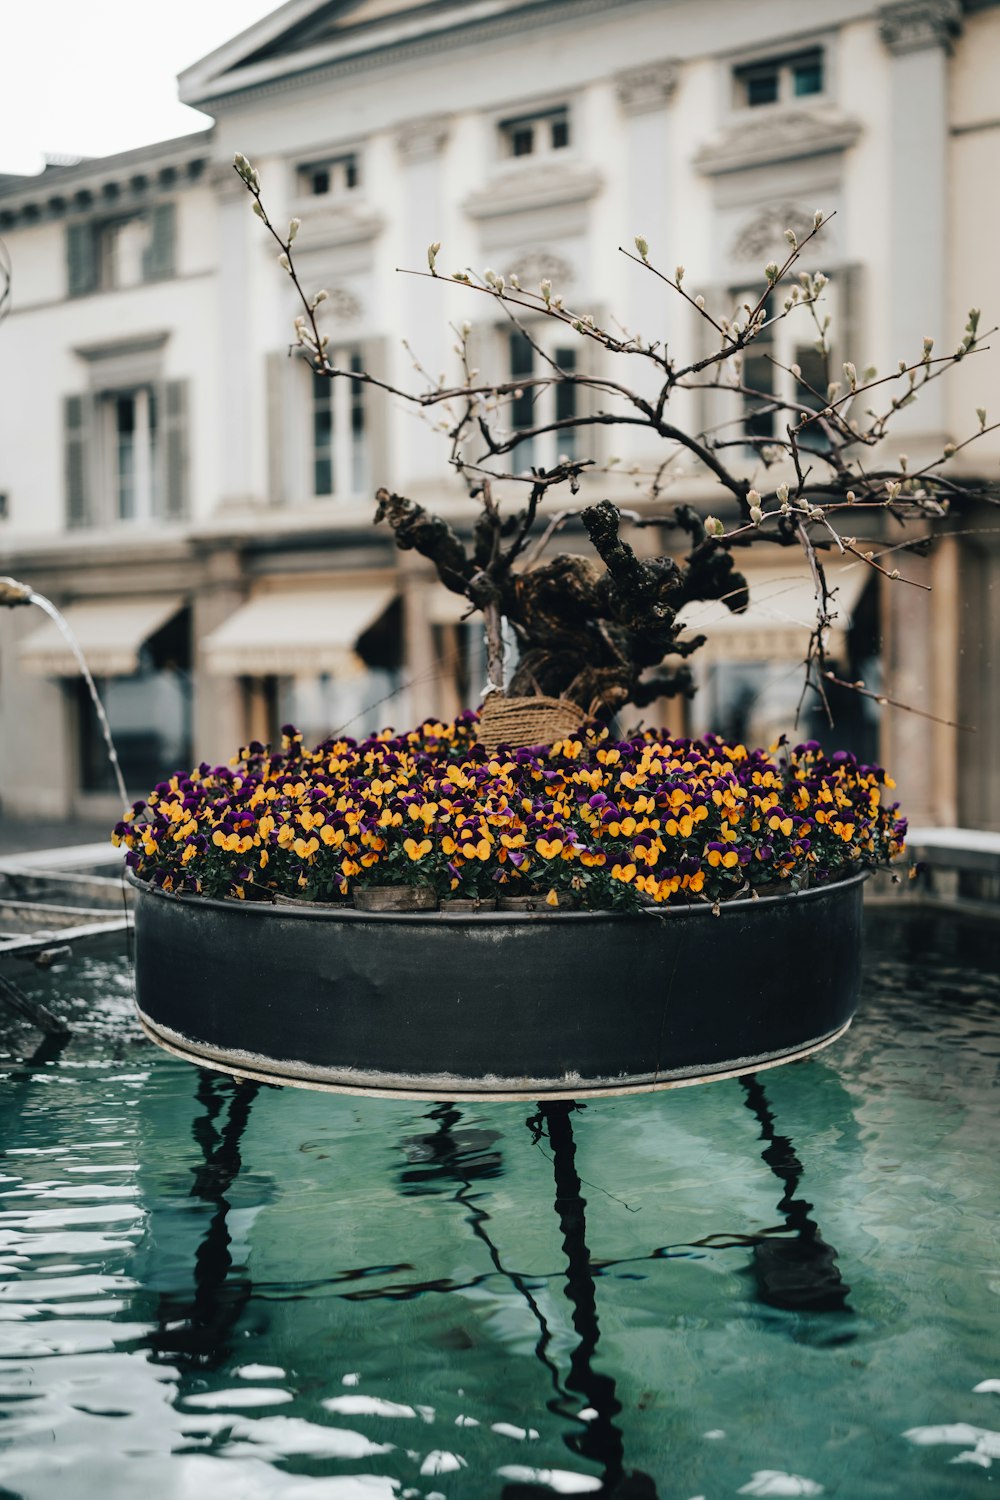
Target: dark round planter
{"x":497,"y":1004}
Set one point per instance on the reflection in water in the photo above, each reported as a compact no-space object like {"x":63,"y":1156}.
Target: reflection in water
{"x":794,"y":1268}
{"x":439,"y":1160}
{"x":49,"y":1050}
{"x":597,"y":1438}
{"x":450,"y":1156}
{"x":18,"y":1083}
{"x":798,"y":1274}
{"x":196,"y":1332}
{"x":672,"y":1368}
{"x":461,"y":1158}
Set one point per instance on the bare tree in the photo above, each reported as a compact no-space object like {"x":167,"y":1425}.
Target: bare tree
{"x":605,"y":636}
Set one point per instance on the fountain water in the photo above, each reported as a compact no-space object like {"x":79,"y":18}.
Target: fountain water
{"x":13,"y":593}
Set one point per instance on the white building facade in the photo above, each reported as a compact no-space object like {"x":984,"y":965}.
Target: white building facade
{"x":201,"y":506}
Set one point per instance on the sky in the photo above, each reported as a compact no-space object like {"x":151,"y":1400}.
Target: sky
{"x":89,"y":79}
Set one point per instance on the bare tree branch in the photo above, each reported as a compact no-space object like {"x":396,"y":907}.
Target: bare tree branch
{"x":601,"y":636}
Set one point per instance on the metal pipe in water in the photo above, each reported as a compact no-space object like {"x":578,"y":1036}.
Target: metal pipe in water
{"x":13,"y":593}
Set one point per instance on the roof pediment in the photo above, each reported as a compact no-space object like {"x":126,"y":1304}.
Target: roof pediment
{"x":335,"y":19}
{"x":304,"y":36}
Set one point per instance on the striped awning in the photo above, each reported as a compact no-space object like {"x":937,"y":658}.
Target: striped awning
{"x":110,"y":632}
{"x":295,"y":633}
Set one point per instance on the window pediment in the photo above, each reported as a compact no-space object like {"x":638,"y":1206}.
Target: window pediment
{"x":763,"y":234}
{"x":782,"y":136}
{"x":529,"y":184}
{"x":334,"y":225}
{"x":124,"y":362}
{"x":532,"y":266}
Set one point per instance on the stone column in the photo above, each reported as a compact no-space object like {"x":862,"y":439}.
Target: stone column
{"x":644,"y":94}
{"x":945,"y":606}
{"x":219,"y":722}
{"x":906,"y":739}
{"x":920,"y":655}
{"x":918,"y":35}
{"x":421,"y":669}
{"x":237,"y":415}
{"x":420,"y":144}
{"x":979,"y":660}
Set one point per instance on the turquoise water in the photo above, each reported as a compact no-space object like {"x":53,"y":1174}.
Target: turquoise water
{"x":782,"y":1287}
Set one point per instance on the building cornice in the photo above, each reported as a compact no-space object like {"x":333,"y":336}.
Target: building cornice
{"x":112,"y":295}
{"x":107,"y":182}
{"x":918,"y":25}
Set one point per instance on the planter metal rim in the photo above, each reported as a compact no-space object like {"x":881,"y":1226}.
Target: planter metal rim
{"x":315,"y":911}
{"x":371,"y":1084}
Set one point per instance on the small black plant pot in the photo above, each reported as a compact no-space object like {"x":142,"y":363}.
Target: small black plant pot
{"x":497,"y":1004}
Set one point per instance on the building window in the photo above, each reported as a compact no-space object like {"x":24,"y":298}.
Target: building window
{"x":130,"y":420}
{"x":339,"y":430}
{"x":769,"y":365}
{"x":540,"y":406}
{"x":330,"y":178}
{"x":124,"y":245}
{"x":127,"y":250}
{"x":537,"y":134}
{"x":779,"y":80}
{"x":126,"y":453}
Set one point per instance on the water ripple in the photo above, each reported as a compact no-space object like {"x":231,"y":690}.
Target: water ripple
{"x":208,"y":1287}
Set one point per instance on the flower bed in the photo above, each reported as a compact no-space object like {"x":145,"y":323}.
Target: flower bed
{"x":591,"y":823}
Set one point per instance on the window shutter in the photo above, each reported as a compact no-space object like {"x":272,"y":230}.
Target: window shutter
{"x":589,"y":361}
{"x":174,"y":501}
{"x":712,"y":406}
{"x":849,"y":330}
{"x":484,"y":352}
{"x":78,"y":424}
{"x":288,"y":398}
{"x":379,"y":465}
{"x":277,"y":374}
{"x":81,"y":258}
{"x":488,"y":352}
{"x":158,"y":256}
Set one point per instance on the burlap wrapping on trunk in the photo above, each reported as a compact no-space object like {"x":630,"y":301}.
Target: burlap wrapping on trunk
{"x":521,"y":722}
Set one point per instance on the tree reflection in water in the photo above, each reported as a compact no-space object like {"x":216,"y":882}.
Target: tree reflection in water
{"x":799,"y":1274}
{"x":793,"y":1267}
{"x":194,"y":1330}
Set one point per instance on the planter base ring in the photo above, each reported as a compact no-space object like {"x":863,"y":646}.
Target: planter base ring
{"x":300,"y":1076}
{"x":503,"y":1005}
